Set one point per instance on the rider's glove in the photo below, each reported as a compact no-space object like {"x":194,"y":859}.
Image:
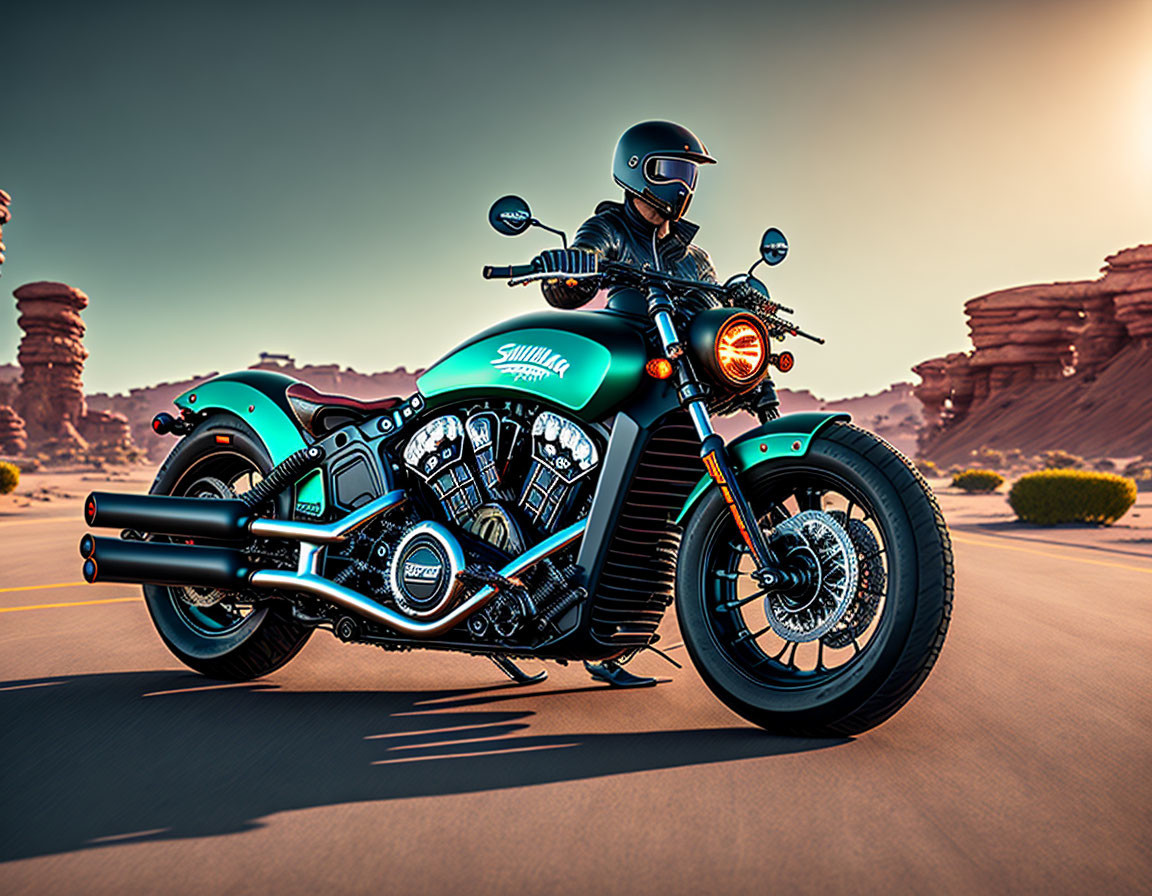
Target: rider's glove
{"x":743,"y":295}
{"x":570,"y":262}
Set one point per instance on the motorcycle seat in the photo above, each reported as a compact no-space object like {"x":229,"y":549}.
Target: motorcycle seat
{"x":321,"y":412}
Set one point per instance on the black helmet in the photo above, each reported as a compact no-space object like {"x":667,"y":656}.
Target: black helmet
{"x":658,"y":160}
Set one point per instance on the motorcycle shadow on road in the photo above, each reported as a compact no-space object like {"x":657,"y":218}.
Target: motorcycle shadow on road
{"x":94,"y":760}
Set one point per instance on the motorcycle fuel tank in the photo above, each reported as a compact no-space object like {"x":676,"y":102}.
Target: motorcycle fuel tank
{"x":585,"y":361}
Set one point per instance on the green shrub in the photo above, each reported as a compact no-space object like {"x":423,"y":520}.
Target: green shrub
{"x":1060,"y":460}
{"x":978,"y":480}
{"x":1071,"y":496}
{"x":9,"y":477}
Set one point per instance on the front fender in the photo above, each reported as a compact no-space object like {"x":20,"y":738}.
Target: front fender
{"x":787,"y":436}
{"x":257,"y":397}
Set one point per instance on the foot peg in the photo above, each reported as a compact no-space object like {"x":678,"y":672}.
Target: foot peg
{"x":614,"y":674}
{"x":517,"y":674}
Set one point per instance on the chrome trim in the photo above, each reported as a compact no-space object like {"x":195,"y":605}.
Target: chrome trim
{"x":326,"y":533}
{"x":698,"y":411}
{"x":311,"y":583}
{"x":666,"y":329}
{"x":456,"y":563}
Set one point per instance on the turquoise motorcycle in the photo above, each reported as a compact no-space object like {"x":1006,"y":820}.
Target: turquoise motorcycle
{"x":552,"y":487}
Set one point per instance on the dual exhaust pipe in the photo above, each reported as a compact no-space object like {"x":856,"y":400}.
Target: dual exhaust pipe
{"x":223,"y":520}
{"x":166,"y":563}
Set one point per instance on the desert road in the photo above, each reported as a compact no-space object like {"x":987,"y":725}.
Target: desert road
{"x":1023,"y":765}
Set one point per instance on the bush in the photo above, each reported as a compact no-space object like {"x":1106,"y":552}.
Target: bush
{"x":1071,"y":496}
{"x":978,"y":480}
{"x":9,"y":477}
{"x":988,"y":458}
{"x":1060,"y":460}
{"x":927,"y":468}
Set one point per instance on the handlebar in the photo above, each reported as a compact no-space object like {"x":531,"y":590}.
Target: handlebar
{"x":627,"y":275}
{"x":495,"y":272}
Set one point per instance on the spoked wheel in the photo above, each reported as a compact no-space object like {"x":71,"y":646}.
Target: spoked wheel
{"x":226,"y":634}
{"x":851,"y":638}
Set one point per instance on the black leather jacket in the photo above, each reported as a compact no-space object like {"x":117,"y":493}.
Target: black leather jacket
{"x":617,"y":232}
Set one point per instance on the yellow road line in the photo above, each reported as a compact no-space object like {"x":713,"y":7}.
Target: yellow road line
{"x":39,"y":587}
{"x":1011,"y":547}
{"x":78,"y":603}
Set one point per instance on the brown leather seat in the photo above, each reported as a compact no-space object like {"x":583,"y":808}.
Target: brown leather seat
{"x":321,"y":412}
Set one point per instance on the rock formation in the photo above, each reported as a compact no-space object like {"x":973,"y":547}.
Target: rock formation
{"x":1128,"y":275}
{"x":1021,"y":335}
{"x":1064,"y":334}
{"x":13,"y":438}
{"x":50,"y":392}
{"x":5,"y":217}
{"x":51,"y":356}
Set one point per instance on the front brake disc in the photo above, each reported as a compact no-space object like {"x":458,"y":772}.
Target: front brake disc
{"x":827,"y":596}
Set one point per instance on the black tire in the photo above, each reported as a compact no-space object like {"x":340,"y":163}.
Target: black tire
{"x":907,"y":633}
{"x":207,"y":640}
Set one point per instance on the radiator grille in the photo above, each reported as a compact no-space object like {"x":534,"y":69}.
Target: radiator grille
{"x":638,"y":575}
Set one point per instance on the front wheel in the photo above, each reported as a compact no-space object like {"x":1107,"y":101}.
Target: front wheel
{"x":844,"y":648}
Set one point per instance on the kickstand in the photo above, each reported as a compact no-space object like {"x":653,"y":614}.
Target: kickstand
{"x":514,"y":672}
{"x":615,"y":675}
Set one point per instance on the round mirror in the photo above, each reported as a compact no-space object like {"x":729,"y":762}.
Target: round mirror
{"x":747,"y":280}
{"x":510,"y":215}
{"x":773,"y":246}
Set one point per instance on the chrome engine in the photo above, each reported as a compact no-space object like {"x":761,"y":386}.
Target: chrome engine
{"x":475,"y":491}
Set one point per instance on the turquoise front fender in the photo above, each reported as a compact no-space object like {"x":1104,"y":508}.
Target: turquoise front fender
{"x":787,"y":436}
{"x":257,"y":397}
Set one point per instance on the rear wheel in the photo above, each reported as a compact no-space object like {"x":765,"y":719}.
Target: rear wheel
{"x":846,"y":649}
{"x":230,"y":635}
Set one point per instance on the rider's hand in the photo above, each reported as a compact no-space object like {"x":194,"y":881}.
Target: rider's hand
{"x":570,"y":262}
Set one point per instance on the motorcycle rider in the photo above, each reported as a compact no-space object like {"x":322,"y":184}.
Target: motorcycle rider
{"x":656,"y":163}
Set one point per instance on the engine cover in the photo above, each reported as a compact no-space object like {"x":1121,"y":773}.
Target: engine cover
{"x":423,"y":570}
{"x":562,"y":453}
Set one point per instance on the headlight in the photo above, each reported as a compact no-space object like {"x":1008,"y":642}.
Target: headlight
{"x":731,"y":345}
{"x":740,"y":350}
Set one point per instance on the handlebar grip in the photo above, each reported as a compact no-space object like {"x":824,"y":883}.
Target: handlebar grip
{"x":495,"y":272}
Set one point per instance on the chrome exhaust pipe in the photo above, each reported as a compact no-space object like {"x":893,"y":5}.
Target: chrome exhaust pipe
{"x":311,"y":583}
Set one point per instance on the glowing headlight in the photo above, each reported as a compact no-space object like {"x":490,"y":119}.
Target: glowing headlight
{"x":740,"y":350}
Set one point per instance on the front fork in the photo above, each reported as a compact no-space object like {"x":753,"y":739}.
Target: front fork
{"x":712,"y":449}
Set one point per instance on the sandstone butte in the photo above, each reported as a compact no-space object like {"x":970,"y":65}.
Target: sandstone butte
{"x":1053,"y":366}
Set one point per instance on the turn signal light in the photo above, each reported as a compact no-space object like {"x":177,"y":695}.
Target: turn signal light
{"x":660,"y":368}
{"x":740,"y":350}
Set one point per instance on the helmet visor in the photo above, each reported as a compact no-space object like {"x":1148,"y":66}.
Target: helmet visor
{"x":670,"y":171}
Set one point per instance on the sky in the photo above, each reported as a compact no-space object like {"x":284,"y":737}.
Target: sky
{"x":313,"y":178}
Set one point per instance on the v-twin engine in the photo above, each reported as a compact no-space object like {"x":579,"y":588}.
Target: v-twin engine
{"x":477,"y":467}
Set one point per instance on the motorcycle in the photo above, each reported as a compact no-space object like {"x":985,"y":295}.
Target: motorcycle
{"x":554,"y":484}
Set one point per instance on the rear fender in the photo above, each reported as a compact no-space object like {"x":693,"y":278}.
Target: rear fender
{"x":787,"y":436}
{"x":257,"y":397}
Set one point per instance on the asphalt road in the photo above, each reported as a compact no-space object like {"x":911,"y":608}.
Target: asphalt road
{"x":1021,"y":766}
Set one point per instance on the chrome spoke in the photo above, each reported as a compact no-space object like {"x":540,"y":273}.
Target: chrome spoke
{"x":748,"y":634}
{"x":727,"y":606}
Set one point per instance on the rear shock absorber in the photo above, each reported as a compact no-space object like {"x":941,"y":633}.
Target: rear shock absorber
{"x":283,"y":475}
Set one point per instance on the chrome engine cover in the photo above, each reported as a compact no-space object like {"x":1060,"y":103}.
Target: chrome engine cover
{"x":562,"y":454}
{"x":423,"y":571}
